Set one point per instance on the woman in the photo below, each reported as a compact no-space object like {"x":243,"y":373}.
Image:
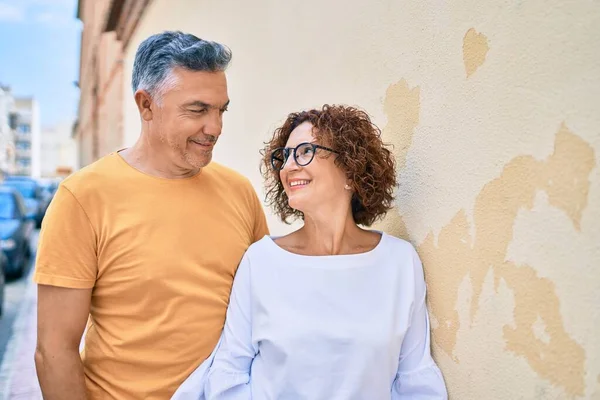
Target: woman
{"x":330,"y":311}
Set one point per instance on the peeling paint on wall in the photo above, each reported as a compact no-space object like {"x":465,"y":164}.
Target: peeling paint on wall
{"x":402,"y":106}
{"x":539,"y":334}
{"x":475,"y":49}
{"x":480,"y":106}
{"x":596,"y":394}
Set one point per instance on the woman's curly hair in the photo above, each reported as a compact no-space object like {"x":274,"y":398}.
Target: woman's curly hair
{"x":367,"y":162}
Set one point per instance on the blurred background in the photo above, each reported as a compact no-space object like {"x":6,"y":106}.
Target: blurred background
{"x":39,"y":67}
{"x":492,"y":107}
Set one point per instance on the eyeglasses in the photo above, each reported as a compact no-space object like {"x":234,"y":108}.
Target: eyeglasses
{"x":303,"y":154}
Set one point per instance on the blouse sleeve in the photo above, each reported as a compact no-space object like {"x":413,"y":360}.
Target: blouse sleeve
{"x":418,"y":377}
{"x":229,"y":375}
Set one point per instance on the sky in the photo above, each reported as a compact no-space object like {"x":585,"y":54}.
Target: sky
{"x":39,"y":55}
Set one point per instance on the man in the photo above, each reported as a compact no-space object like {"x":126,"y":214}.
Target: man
{"x":146,"y":241}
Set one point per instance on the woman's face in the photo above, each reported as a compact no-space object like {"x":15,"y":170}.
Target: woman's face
{"x":318,"y":186}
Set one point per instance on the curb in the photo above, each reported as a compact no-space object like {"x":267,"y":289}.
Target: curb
{"x":16,"y":337}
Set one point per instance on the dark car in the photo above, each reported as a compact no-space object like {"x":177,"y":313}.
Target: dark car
{"x":47,"y":190}
{"x":31,"y":192}
{"x":16,"y":227}
{"x":49,"y":186}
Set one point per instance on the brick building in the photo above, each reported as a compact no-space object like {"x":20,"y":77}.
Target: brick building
{"x":107,"y":27}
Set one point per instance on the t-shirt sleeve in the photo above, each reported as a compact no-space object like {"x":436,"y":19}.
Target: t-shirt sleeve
{"x":260,"y":228}
{"x":67,"y":247}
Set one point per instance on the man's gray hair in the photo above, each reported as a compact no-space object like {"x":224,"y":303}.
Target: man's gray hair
{"x":159,"y":54}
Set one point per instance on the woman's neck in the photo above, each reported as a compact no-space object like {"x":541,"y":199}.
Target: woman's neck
{"x":332,"y":233}
{"x":330,"y":236}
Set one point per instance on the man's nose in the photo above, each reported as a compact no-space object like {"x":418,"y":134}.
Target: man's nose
{"x":214,"y":125}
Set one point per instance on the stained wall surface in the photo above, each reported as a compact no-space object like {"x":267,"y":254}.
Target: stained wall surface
{"x":493,"y":109}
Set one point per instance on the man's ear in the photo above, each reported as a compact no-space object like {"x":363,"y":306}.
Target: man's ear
{"x":144,"y":102}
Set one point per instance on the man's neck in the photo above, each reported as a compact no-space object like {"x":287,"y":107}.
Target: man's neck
{"x":145,"y":158}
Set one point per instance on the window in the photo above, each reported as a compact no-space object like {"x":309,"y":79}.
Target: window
{"x":24,"y":128}
{"x":23,"y":145}
{"x":23,"y":162}
{"x":13,"y":120}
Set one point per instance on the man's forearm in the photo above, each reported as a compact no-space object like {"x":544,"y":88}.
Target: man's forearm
{"x":60,"y":374}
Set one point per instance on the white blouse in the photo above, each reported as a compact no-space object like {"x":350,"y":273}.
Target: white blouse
{"x":323,"y":327}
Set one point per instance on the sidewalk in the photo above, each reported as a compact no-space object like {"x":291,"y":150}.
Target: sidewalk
{"x":18,"y":369}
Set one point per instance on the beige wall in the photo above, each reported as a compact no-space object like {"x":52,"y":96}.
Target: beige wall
{"x":493,"y":111}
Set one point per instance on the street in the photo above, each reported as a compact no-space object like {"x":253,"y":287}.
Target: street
{"x":12,"y":341}
{"x":13,"y":295}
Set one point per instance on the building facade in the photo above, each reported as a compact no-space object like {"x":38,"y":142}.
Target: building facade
{"x":20,"y":135}
{"x":7,"y":125}
{"x":27,"y":137}
{"x":492,"y":111}
{"x":107,"y":28}
{"x":59,"y":151}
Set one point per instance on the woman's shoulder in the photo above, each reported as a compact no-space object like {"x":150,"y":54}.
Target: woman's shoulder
{"x":406,"y":258}
{"x":260,"y":248}
{"x":398,"y":245}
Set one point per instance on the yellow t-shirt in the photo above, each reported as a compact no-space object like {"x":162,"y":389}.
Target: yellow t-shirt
{"x":160,"y":255}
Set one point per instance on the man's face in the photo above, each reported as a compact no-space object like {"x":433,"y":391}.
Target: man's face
{"x":188,"y":117}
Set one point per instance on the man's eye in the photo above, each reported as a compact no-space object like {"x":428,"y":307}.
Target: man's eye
{"x":199,"y":111}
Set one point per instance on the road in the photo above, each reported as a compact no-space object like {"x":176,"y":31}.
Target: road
{"x":13,"y":296}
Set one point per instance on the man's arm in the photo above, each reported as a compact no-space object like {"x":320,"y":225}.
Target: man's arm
{"x":65,"y":271}
{"x":62,"y":316}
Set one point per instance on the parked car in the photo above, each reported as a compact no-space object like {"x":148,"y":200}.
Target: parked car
{"x":31,"y":192}
{"x":3,"y":262}
{"x":49,"y":185}
{"x":16,"y":226}
{"x":48,"y":188}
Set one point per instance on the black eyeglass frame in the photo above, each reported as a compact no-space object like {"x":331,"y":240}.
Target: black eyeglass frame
{"x":287,"y":150}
